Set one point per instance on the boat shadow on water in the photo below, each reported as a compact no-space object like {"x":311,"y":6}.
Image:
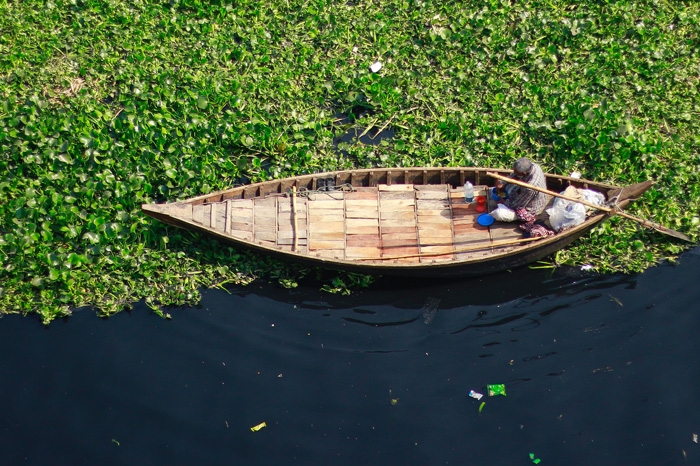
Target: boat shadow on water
{"x":516,"y":300}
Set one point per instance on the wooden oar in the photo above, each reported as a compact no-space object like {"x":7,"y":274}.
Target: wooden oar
{"x":611,"y":211}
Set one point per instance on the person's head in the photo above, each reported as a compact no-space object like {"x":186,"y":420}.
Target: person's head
{"x":522,"y":167}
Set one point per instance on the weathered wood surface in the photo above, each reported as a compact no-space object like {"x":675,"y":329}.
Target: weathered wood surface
{"x":397,"y":223}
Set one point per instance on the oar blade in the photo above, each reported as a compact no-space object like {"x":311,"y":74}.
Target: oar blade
{"x":656,"y":226}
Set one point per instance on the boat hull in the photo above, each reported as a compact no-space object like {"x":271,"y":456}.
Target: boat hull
{"x":413,"y":222}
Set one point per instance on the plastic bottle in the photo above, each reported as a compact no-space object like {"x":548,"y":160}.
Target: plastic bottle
{"x":468,"y":192}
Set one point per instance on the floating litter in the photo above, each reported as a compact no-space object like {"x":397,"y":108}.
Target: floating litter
{"x":481,"y":406}
{"x":258,"y":427}
{"x":695,"y":438}
{"x":485,"y":220}
{"x":534,"y":460}
{"x":474,"y":394}
{"x":496,"y":389}
{"x":376,"y":66}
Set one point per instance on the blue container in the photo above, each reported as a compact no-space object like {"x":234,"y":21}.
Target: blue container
{"x":485,"y":220}
{"x":494,"y":196}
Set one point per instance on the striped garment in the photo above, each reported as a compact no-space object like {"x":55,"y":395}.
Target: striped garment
{"x":520,"y":197}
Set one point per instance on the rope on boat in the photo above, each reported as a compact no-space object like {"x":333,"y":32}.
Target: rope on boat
{"x":311,"y":193}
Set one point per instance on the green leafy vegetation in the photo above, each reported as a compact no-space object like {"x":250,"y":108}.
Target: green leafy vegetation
{"x":107,"y":104}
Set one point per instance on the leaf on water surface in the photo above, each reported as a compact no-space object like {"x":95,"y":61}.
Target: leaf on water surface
{"x":65,"y":158}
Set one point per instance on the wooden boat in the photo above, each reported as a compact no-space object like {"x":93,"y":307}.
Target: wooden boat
{"x":394,"y":221}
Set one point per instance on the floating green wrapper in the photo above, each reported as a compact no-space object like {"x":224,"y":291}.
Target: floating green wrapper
{"x":496,"y":389}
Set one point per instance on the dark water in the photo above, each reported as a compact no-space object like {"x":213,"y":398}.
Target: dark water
{"x":598,"y":371}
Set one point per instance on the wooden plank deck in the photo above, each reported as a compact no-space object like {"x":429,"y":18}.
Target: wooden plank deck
{"x":434,"y":223}
{"x":241,"y":220}
{"x":326,"y":225}
{"x":390,"y":223}
{"x":397,"y":222}
{"x":265,"y":221}
{"x":362,"y":225}
{"x":292,"y":224}
{"x":468,"y":233}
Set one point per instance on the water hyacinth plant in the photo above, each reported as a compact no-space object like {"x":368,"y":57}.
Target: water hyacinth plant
{"x":106,"y":104}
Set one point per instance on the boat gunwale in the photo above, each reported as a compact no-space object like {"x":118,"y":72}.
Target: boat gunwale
{"x":477,"y":171}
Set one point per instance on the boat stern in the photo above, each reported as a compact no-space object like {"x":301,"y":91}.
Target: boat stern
{"x":166,"y":212}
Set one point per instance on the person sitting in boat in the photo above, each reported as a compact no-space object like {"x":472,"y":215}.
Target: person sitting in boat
{"x":522,"y":203}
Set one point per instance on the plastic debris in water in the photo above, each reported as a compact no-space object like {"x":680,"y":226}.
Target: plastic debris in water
{"x":394,"y":401}
{"x":481,"y":406}
{"x":258,"y":427}
{"x":695,"y":438}
{"x":376,"y":66}
{"x":586,"y":267}
{"x":474,"y":394}
{"x":430,"y":309}
{"x":534,"y":460}
{"x":617,"y":301}
{"x":496,"y":389}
